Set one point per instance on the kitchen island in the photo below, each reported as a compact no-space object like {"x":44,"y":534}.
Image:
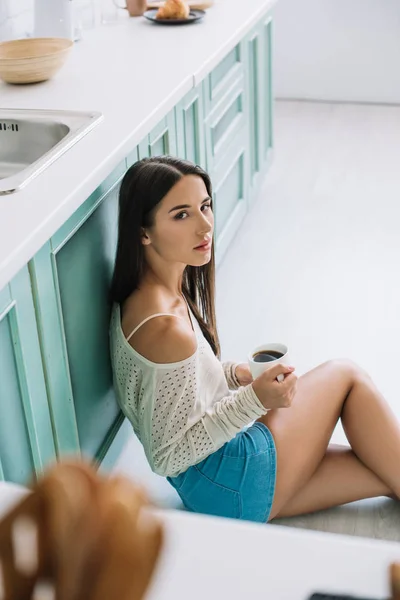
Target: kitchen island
{"x":203,"y":92}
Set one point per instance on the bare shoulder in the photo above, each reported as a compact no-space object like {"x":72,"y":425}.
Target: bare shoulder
{"x":163,"y":339}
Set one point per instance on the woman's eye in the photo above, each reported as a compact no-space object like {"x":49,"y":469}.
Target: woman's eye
{"x":179,"y":216}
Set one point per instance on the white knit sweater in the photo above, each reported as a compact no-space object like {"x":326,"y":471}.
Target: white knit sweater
{"x":183,"y":411}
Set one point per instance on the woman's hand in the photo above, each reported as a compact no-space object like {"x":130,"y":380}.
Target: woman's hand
{"x":243,"y":374}
{"x":273,"y":393}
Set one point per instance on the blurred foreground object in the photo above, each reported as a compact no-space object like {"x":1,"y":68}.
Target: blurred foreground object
{"x":395,"y":580}
{"x":79,"y":536}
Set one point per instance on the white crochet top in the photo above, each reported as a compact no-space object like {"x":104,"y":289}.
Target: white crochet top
{"x":183,"y":411}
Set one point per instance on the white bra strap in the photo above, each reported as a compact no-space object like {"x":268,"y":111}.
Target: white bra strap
{"x":148,"y":318}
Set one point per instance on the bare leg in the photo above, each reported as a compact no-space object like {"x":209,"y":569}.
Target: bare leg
{"x":340,"y":478}
{"x":373,"y":431}
{"x":302,"y":432}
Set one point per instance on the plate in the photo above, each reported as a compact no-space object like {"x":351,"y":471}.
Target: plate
{"x":194,"y":15}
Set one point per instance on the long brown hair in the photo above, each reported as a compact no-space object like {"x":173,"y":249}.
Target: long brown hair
{"x":144,"y":185}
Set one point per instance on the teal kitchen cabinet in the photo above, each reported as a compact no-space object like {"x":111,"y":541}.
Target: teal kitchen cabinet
{"x":189,"y":115}
{"x":227,"y":147}
{"x":229,"y":117}
{"x":260,"y":93}
{"x":71,"y":275}
{"x":254,"y":71}
{"x":223,"y":76}
{"x":266,"y":81}
{"x":26,"y":436}
{"x":230,"y":193}
{"x":161,"y":140}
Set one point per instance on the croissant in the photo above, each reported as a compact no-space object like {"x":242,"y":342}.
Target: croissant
{"x":173,"y":9}
{"x":79,"y":536}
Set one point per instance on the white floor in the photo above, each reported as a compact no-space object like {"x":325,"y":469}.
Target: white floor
{"x":316,"y":265}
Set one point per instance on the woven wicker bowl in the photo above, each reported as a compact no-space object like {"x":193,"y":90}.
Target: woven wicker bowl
{"x":33,"y":59}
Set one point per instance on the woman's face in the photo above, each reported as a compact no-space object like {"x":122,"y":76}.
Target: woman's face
{"x":183,"y":220}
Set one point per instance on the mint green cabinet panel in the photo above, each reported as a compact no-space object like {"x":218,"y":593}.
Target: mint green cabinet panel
{"x":162,"y":140}
{"x":43,"y":271}
{"x":268,"y":94}
{"x":15,"y":452}
{"x":222,"y":77}
{"x":57,"y":282}
{"x":225,"y":121}
{"x":260,"y":95}
{"x":132,"y":157}
{"x":226,"y":102}
{"x":84,"y":266}
{"x":255,"y":99}
{"x":230,"y":192}
{"x":144,"y":148}
{"x":254,"y":87}
{"x":189,"y":115}
{"x":70,"y":276}
{"x":232,"y":114}
{"x":256,"y":96}
{"x":26,"y":437}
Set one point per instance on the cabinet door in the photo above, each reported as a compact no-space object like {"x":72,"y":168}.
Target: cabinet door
{"x":227,"y":141}
{"x":222,"y":76}
{"x":189,"y":117}
{"x":26,"y":436}
{"x":255,"y":87}
{"x":267,"y":103}
{"x":161,"y":140}
{"x":260,"y":93}
{"x":72,"y":274}
{"x":228,"y":119}
{"x":230,"y":182}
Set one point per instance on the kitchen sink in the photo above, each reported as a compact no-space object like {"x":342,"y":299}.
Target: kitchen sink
{"x":30,"y":140}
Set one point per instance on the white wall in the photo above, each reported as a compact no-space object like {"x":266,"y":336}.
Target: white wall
{"x":16,"y":16}
{"x":337,"y":50}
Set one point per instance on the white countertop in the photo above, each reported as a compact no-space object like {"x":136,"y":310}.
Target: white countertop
{"x":208,"y":557}
{"x":218,"y":559}
{"x":133,"y":72}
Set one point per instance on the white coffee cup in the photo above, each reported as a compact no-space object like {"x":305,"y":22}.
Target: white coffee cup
{"x":257,"y":368}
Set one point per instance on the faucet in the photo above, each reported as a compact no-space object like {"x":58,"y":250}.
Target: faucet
{"x":53,"y":18}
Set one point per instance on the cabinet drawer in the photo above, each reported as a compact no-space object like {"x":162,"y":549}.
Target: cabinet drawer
{"x":221,"y":78}
{"x":230,"y":192}
{"x":225,"y":121}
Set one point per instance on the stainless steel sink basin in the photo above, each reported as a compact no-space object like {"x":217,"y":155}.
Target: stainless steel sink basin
{"x":30,"y":140}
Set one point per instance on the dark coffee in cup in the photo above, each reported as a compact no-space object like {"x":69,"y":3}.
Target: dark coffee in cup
{"x":266,"y":355}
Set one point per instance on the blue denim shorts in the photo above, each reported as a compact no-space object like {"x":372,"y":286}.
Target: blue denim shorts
{"x":237,"y":481}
